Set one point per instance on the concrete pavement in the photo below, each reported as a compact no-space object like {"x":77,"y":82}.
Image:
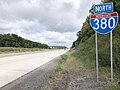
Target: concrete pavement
{"x":14,"y":67}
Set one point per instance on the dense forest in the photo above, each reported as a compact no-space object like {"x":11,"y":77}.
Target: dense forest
{"x":84,"y":46}
{"x":13,"y":40}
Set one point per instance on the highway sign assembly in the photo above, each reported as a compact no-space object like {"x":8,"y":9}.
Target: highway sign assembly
{"x":103,"y":22}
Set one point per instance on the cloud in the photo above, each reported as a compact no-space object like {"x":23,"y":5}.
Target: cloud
{"x":48,"y":21}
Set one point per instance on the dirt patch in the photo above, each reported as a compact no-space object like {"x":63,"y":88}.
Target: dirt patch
{"x":59,"y":83}
{"x":66,"y":81}
{"x":86,"y":84}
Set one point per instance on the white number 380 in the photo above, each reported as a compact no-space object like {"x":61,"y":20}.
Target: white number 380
{"x":104,"y":23}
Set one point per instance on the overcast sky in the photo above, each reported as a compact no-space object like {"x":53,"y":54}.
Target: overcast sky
{"x":54,"y":22}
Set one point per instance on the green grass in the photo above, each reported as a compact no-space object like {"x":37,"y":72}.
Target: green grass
{"x":5,"y":50}
{"x":85,"y":53}
{"x":117,"y":74}
{"x":60,"y":63}
{"x":112,"y":87}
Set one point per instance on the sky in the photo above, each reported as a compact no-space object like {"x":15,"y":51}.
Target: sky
{"x":53,"y":22}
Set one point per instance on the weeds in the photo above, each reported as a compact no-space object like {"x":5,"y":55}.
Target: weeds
{"x":4,"y":50}
{"x":112,"y":87}
{"x":61,"y":62}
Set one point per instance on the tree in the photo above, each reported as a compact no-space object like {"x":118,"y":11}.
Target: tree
{"x":13,"y":40}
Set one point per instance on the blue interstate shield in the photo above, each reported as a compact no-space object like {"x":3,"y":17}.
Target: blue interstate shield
{"x":104,"y":23}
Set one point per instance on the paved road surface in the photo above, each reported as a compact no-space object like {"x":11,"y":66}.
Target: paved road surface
{"x":14,"y":67}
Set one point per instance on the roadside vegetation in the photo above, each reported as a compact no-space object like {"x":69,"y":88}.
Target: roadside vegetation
{"x":80,"y":60}
{"x":73,"y":73}
{"x":6,"y":50}
{"x":84,"y":49}
{"x":64,"y":72}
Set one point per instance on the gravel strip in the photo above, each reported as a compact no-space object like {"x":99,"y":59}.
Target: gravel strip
{"x":86,"y":84}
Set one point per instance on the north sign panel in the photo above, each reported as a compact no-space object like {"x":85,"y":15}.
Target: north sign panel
{"x":103,"y":8}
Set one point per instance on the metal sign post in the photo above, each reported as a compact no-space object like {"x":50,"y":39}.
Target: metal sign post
{"x":104,"y":21}
{"x":96,"y":58}
{"x":111,"y":56}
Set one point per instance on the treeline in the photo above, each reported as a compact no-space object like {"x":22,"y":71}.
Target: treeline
{"x":13,"y":40}
{"x":84,"y":34}
{"x":85,"y":43}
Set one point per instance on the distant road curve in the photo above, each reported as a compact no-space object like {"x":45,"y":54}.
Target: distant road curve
{"x":15,"y":66}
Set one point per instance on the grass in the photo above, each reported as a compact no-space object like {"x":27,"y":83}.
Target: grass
{"x":70,"y":64}
{"x":111,"y":87}
{"x":85,"y":52}
{"x":117,"y":74}
{"x":60,"y":63}
{"x":4,"y":50}
{"x":77,"y":67}
{"x":69,"y":67}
